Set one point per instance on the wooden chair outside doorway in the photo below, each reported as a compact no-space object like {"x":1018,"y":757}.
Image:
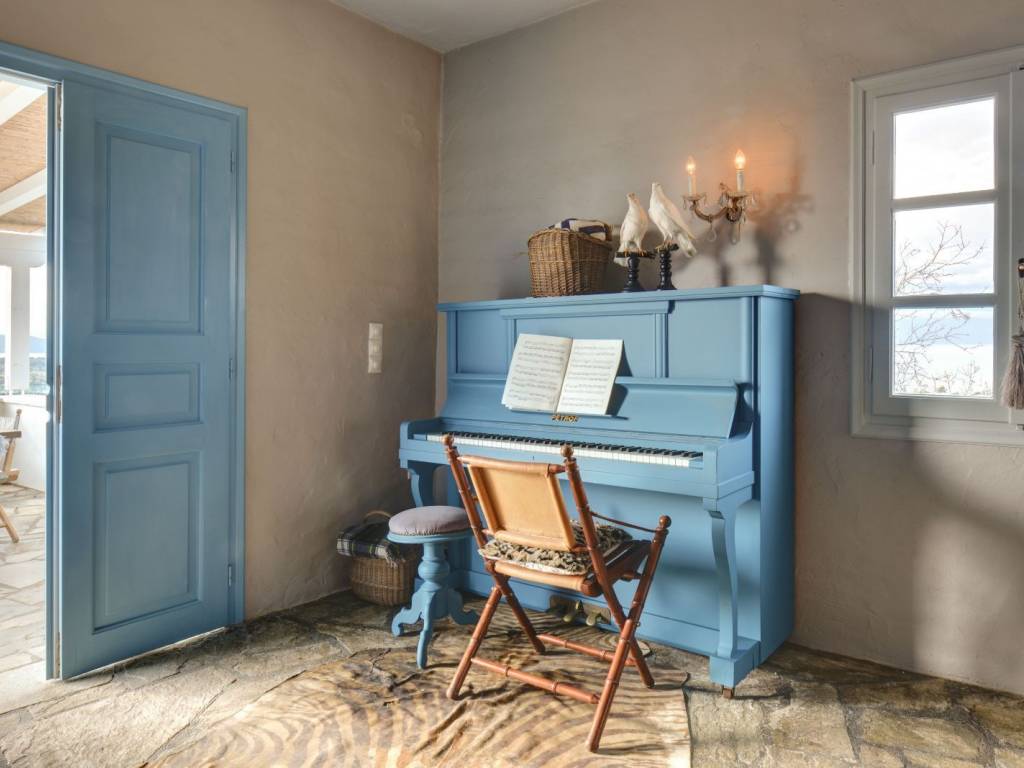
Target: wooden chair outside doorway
{"x":9,"y":433}
{"x":522,"y":505}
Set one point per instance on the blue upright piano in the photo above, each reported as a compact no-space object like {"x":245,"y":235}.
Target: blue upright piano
{"x":700,"y":428}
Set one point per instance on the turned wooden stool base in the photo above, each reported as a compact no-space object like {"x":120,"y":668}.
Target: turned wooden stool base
{"x":434,"y":600}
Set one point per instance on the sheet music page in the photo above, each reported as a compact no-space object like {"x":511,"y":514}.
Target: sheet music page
{"x":590,"y":376}
{"x":536,"y":372}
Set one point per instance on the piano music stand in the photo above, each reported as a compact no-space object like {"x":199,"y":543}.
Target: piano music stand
{"x":522,"y":504}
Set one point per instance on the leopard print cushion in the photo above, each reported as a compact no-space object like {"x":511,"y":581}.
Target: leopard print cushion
{"x":609,"y":539}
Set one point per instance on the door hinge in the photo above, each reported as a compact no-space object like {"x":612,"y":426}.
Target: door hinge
{"x":59,"y":394}
{"x":232,"y":161}
{"x":231,"y":575}
{"x":871,"y":363}
{"x":231,"y":367}
{"x":56,"y":655}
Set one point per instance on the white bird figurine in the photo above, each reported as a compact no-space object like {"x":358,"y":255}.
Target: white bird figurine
{"x":669,"y":221}
{"x":633,"y":229}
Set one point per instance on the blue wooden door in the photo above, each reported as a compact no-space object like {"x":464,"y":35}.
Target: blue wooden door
{"x":147,"y":339}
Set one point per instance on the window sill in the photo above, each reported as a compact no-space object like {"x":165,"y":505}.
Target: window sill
{"x":944,"y":431}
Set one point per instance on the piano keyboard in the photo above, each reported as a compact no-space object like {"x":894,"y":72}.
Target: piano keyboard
{"x":633,"y":454}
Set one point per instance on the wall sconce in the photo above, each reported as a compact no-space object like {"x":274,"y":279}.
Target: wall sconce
{"x":732,"y":203}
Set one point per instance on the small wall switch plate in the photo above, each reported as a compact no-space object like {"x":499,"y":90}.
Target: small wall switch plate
{"x":375,"y":348}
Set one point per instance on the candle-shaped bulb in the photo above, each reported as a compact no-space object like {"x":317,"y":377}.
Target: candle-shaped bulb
{"x":691,"y":176}
{"x":741,"y":162}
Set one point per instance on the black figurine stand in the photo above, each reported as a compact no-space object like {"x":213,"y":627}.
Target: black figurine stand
{"x":665,"y":265}
{"x":633,"y":271}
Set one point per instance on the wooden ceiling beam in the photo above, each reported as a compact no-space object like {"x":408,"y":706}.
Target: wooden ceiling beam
{"x":23,"y":192}
{"x":18,"y":250}
{"x":15,"y":100}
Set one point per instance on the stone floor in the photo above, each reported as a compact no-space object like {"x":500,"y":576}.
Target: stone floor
{"x":22,"y":571}
{"x":803,"y":708}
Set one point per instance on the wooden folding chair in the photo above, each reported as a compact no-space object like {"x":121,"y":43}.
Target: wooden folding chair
{"x":522,"y":504}
{"x":9,"y":433}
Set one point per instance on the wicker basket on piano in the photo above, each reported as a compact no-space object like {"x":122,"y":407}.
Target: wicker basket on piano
{"x":566,"y":263}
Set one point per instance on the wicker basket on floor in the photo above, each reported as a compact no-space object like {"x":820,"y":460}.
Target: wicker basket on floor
{"x":382,"y":571}
{"x":567,"y":263}
{"x":382,"y":581}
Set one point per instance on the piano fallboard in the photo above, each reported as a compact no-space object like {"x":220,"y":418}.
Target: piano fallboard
{"x":699,"y":428}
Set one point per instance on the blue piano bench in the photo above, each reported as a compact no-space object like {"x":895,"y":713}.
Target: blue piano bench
{"x":433,"y":527}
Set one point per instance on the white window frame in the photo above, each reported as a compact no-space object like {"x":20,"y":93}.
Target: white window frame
{"x":874,"y":411}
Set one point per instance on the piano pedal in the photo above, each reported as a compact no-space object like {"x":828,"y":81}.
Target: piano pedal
{"x":565,"y":607}
{"x":571,"y":610}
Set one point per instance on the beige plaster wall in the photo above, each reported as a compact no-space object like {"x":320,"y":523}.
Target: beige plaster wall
{"x":907,"y":553}
{"x":343,"y":136}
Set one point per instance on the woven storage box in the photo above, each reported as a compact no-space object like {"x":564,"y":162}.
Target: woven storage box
{"x":382,"y":571}
{"x":381,"y":581}
{"x":566,"y":263}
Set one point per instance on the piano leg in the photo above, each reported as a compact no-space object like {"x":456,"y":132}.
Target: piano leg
{"x":723,"y":541}
{"x":421,"y":476}
{"x":726,"y":664}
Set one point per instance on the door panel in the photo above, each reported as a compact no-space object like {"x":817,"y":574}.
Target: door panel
{"x":147,"y":339}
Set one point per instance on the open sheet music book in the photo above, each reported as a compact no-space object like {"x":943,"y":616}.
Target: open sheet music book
{"x":559,"y":375}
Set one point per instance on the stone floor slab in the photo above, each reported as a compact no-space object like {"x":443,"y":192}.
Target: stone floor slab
{"x":926,"y":735}
{"x":121,"y":730}
{"x":812,"y":724}
{"x":1009,"y":758}
{"x":1001,"y":715}
{"x":22,"y":574}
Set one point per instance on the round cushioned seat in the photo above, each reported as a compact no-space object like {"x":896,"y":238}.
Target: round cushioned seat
{"x":429,"y":521}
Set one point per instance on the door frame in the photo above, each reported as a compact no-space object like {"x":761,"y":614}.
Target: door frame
{"x":54,"y":71}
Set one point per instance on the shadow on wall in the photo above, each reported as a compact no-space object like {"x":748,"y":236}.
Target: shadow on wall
{"x":774,"y":221}
{"x":900,"y":559}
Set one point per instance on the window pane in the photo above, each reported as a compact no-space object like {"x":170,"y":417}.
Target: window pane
{"x":944,"y":149}
{"x":943,"y":250}
{"x":943,"y":352}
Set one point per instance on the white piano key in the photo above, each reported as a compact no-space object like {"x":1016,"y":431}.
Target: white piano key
{"x":612,"y":453}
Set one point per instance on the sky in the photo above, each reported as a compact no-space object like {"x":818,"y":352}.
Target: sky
{"x":946,"y":150}
{"x":972,"y":342}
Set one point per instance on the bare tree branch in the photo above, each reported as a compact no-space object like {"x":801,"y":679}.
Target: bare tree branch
{"x":916,"y":338}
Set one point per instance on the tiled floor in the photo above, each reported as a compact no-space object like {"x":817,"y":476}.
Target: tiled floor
{"x":22,"y":573}
{"x":802,"y":708}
